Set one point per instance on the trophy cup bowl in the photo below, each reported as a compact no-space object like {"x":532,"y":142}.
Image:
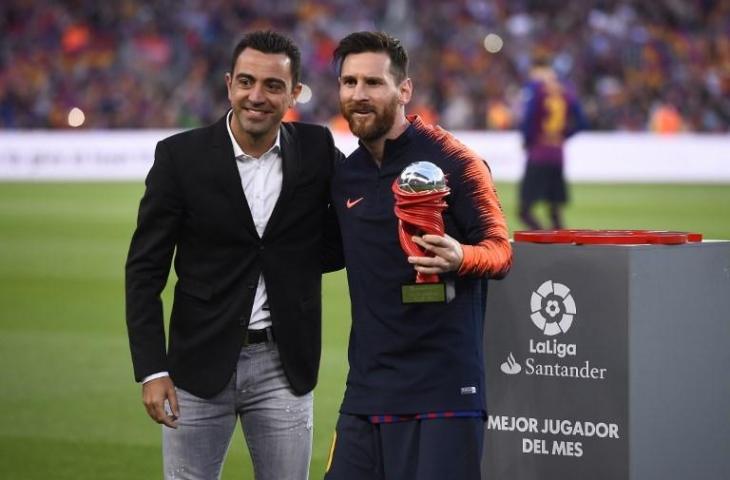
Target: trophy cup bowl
{"x":421,"y":177}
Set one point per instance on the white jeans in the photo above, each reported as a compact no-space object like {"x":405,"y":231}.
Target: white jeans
{"x":277,"y":424}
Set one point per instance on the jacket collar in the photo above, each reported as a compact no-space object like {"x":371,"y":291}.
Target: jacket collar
{"x":224,"y":164}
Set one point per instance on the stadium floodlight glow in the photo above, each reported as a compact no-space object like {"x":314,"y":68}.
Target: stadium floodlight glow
{"x":305,"y":95}
{"x":493,"y":43}
{"x":76,"y":117}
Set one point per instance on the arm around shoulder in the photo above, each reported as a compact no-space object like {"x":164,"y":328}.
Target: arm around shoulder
{"x":333,"y":257}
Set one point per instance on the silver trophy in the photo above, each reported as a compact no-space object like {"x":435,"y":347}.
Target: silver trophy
{"x":421,"y":177}
{"x":419,"y":194}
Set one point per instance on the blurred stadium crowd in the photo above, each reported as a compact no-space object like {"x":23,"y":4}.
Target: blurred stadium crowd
{"x":636,"y":65}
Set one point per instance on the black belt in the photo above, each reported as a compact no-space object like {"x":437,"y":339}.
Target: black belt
{"x":258,"y":336}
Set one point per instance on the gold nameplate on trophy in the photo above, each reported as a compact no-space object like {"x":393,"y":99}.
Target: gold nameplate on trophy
{"x":426,"y":293}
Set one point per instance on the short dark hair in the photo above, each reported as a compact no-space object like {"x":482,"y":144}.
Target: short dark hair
{"x":361,"y":42}
{"x":267,"y":41}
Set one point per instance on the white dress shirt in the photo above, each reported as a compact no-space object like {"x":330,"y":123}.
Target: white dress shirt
{"x":261,"y":179}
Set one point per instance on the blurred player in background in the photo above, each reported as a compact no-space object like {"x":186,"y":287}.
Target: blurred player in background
{"x":414,"y":403}
{"x":551,"y":115}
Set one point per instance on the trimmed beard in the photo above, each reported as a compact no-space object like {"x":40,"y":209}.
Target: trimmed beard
{"x":372,"y":130}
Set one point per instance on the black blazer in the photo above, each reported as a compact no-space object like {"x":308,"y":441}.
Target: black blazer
{"x":194,"y":206}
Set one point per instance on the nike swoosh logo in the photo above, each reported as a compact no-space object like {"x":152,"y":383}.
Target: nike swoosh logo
{"x":352,"y":203}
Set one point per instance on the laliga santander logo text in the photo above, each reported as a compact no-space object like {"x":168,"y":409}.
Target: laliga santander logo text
{"x":553,"y":311}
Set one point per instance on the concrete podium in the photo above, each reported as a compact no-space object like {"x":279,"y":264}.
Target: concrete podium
{"x":609,"y":362}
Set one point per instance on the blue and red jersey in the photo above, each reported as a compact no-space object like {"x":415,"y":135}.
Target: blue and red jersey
{"x":406,"y":359}
{"x":551,"y":115}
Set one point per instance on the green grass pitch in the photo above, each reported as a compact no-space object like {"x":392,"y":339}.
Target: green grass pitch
{"x":69,"y":407}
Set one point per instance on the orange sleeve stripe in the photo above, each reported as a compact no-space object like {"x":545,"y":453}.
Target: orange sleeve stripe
{"x":492,"y":255}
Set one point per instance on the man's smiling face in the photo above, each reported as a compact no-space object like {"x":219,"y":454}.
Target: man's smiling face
{"x":260,"y":91}
{"x":370,"y":94}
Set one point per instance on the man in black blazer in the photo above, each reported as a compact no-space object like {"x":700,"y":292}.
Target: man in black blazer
{"x":243,"y":206}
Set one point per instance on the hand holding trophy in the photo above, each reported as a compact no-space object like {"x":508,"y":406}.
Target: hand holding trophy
{"x":419,"y":202}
